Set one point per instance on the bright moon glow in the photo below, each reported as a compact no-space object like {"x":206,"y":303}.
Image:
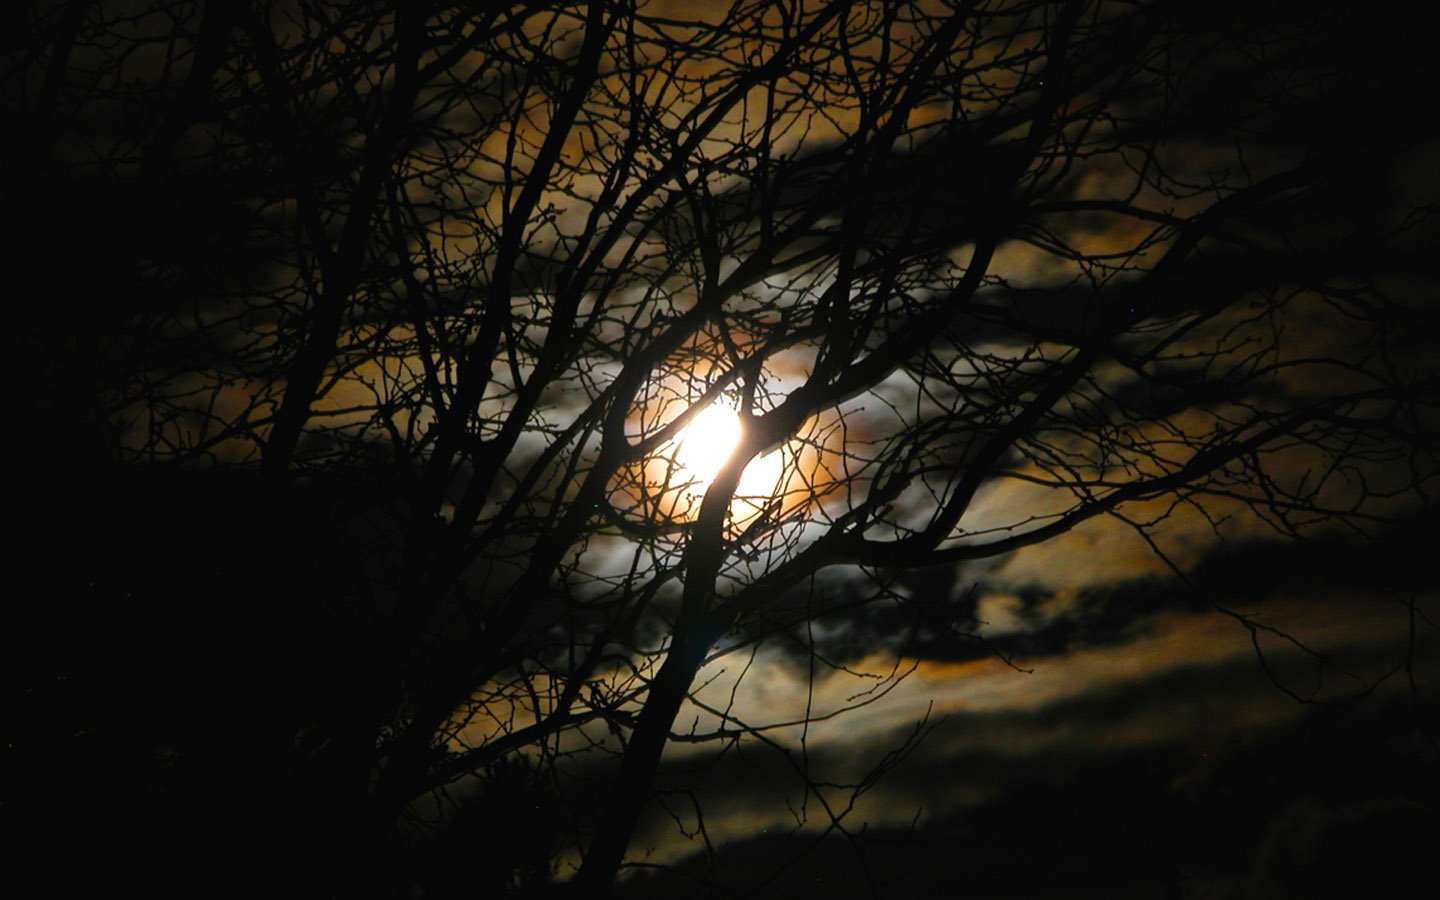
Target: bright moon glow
{"x":706,"y":443}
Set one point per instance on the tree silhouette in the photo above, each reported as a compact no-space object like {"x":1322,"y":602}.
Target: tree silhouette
{"x":421,"y":298}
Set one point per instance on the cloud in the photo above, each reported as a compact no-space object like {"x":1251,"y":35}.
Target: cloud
{"x":1175,"y":702}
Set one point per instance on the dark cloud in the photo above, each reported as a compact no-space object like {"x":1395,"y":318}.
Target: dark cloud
{"x":1162,"y":786}
{"x":1151,"y":752}
{"x":940,"y":613}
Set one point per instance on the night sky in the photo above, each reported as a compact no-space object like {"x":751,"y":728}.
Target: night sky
{"x":1086,"y":353}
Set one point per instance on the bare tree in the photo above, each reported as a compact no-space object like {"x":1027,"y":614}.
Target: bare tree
{"x":607,"y":328}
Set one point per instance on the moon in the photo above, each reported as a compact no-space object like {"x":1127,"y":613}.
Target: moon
{"x":705,"y":444}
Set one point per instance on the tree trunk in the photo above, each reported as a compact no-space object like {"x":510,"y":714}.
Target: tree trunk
{"x":631,"y":790}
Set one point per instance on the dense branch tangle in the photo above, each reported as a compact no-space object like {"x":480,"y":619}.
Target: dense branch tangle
{"x":927,"y":252}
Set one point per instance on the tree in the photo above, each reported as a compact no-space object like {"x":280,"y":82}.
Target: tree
{"x":438,"y":289}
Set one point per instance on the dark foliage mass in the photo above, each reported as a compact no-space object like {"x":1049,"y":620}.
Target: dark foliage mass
{"x":353,"y":345}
